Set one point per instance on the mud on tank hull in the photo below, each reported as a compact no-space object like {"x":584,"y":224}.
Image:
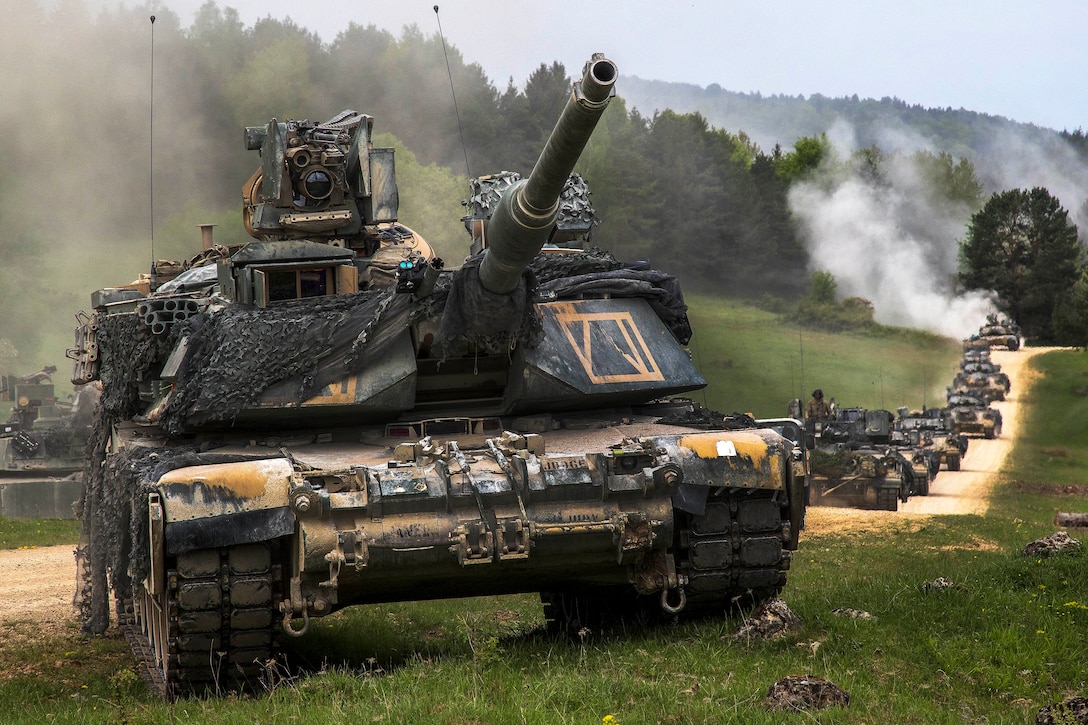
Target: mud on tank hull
{"x":637,"y":517}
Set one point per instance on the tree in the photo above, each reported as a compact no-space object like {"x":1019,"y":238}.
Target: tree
{"x":807,"y":155}
{"x":1071,"y":317}
{"x":1022,"y":246}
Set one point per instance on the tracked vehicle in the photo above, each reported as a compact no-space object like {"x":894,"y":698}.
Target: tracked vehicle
{"x":327,"y":416}
{"x":42,"y":436}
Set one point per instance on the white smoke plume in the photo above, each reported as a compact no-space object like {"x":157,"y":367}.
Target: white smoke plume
{"x":896,"y":244}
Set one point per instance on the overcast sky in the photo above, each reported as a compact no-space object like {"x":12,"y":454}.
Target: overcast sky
{"x":1022,"y":60}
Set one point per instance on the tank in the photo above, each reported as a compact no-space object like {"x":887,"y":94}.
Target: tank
{"x":856,"y":459}
{"x":997,"y":332}
{"x":327,"y":416}
{"x":43,"y":436}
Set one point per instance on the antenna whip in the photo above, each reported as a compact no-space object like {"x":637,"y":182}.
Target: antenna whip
{"x":453,"y":93}
{"x":151,"y":155}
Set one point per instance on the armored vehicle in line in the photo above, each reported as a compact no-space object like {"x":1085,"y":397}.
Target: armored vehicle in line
{"x":986,"y":386}
{"x":932,"y":430}
{"x":854,"y":461}
{"x":972,"y":416}
{"x":327,"y":416}
{"x":997,"y":332}
{"x":43,"y":436}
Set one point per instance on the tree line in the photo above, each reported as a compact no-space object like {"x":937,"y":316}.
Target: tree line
{"x":702,"y":202}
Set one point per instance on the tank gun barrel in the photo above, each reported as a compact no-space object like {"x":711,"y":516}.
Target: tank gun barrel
{"x":524,"y":217}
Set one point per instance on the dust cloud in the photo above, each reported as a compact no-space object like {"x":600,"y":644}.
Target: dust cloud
{"x":76,"y":196}
{"x":895,"y":243}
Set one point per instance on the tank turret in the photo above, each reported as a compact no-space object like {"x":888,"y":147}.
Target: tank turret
{"x":326,"y":416}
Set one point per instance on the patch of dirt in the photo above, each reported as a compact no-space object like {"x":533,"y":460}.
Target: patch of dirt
{"x":36,"y":590}
{"x":1052,"y":489}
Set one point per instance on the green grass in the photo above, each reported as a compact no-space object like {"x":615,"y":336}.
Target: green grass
{"x":17,"y":533}
{"x":1047,"y":470}
{"x":1005,"y":640}
{"x":755,"y":363}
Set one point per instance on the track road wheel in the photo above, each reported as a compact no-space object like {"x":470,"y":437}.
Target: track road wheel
{"x":887,"y":499}
{"x":213,"y":625}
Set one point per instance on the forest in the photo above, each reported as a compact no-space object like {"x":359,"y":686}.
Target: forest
{"x":114,"y":158}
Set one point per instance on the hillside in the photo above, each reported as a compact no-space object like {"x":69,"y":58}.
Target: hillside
{"x":754,"y":362}
{"x":779,"y":119}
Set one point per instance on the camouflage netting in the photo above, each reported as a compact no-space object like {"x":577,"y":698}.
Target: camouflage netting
{"x":707,"y":419}
{"x":495,"y":323}
{"x":113,"y":542}
{"x":238,"y":352}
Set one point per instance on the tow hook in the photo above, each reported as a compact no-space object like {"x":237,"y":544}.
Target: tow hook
{"x":287,"y":612}
{"x":682,"y":598}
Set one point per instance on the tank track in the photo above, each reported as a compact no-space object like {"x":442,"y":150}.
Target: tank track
{"x":215,"y":627}
{"x":732,"y":557}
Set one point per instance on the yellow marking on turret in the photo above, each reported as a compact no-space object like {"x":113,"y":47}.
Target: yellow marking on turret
{"x":339,"y":393}
{"x":617,"y":328}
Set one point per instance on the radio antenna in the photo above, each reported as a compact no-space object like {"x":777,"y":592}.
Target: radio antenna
{"x":151,"y":155}
{"x":453,"y":93}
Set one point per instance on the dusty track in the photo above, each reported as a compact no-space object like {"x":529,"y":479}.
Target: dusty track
{"x":953,"y":492}
{"x":36,"y":591}
{"x":37,"y":585}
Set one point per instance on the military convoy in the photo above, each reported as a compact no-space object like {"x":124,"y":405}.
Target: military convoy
{"x":328,"y":416}
{"x":857,"y":457}
{"x":869,"y":458}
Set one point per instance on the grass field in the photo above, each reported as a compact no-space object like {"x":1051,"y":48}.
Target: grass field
{"x":754,"y":363}
{"x":16,"y":533}
{"x":1005,"y":639}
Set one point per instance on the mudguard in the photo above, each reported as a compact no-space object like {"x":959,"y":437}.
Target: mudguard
{"x":226,"y":504}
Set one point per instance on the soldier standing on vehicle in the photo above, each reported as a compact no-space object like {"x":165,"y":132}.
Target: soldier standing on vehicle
{"x":817,"y":408}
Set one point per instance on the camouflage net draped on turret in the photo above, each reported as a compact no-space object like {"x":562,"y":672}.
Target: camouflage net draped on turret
{"x":494,"y":323}
{"x":239,"y":352}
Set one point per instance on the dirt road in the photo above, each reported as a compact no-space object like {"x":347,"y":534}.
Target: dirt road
{"x":36,"y":590}
{"x":37,"y":585}
{"x":966,"y":491}
{"x":952,"y":492}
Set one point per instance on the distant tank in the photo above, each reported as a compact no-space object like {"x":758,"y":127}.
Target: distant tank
{"x":853,"y":461}
{"x":971,"y":415}
{"x":43,"y":436}
{"x":997,"y":332}
{"x":327,"y":417}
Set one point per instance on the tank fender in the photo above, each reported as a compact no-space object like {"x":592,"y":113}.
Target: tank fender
{"x":752,"y":459}
{"x":226,"y":504}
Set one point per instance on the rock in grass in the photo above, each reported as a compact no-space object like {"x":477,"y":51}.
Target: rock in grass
{"x":940,"y":584}
{"x":852,"y":613}
{"x":1072,"y":711}
{"x":769,"y":620}
{"x":806,"y":692}
{"x":1057,"y":543}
